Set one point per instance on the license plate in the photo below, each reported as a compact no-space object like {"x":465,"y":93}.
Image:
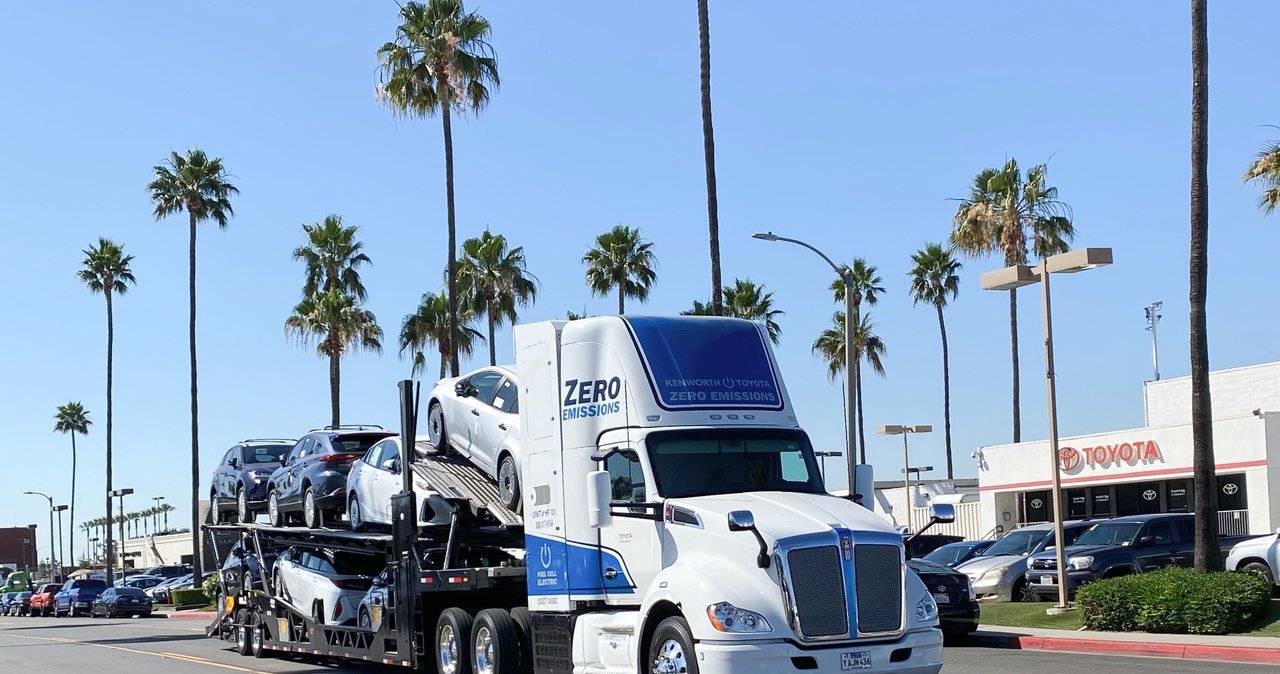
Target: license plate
{"x":1048,"y":580}
{"x":942,"y":598}
{"x":851,"y":660}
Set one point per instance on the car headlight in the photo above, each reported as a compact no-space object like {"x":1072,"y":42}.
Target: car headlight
{"x":729,"y":618}
{"x":926,"y":609}
{"x":1080,"y":563}
{"x":996,"y":573}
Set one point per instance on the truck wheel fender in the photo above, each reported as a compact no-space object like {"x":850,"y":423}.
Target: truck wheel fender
{"x":650,"y":616}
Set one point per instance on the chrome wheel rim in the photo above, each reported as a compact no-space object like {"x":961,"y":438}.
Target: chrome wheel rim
{"x":484,"y":651}
{"x":448,"y":655}
{"x":365,"y":621}
{"x":353,"y":513}
{"x":670,"y":659}
{"x":257,"y":640}
{"x":435,"y":426}
{"x":507,"y":480}
{"x":242,"y":506}
{"x":309,"y":505}
{"x":242,"y":638}
{"x":274,"y":508}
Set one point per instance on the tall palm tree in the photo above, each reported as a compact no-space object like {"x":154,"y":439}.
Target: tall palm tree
{"x":1002,"y":214}
{"x":430,"y":325}
{"x":866,"y":346}
{"x":332,"y":255}
{"x":622,"y":260}
{"x":198,"y":185}
{"x":106,"y":270}
{"x":935,"y":279}
{"x":1208,"y":556}
{"x":336,"y":323}
{"x":709,"y":156}
{"x":493,"y":281}
{"x":1265,"y":172}
{"x":744,"y":299}
{"x":440,"y":61}
{"x":72,"y":418}
{"x":866,"y":287}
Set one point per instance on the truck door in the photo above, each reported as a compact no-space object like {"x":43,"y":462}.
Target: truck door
{"x":630,"y":547}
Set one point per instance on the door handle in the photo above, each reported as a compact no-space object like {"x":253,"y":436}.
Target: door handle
{"x":502,"y":426}
{"x":610,"y":573}
{"x":475,"y":413}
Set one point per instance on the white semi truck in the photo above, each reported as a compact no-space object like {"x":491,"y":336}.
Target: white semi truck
{"x":674,"y":520}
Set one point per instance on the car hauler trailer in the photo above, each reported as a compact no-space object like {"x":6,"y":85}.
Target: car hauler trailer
{"x":674,"y":520}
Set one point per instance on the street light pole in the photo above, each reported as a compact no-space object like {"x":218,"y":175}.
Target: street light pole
{"x":51,"y":546}
{"x":61,"y":538}
{"x":1153,"y":317}
{"x":823,"y":456}
{"x":121,"y":493}
{"x":906,"y":462}
{"x":847,"y":278}
{"x":155,"y":514}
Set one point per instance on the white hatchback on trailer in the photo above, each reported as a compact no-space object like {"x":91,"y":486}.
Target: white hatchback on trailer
{"x":478,"y":416}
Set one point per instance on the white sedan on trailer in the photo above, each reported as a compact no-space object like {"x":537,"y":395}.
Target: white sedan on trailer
{"x":477,"y":415}
{"x":375,"y":478}
{"x":326,"y":584}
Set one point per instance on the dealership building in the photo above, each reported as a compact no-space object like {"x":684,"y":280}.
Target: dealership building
{"x":1148,"y":469}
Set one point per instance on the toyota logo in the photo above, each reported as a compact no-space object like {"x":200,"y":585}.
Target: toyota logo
{"x":1037,"y":503}
{"x":1068,"y":459}
{"x":942,"y":588}
{"x":1230,"y":488}
{"x":1149,"y":494}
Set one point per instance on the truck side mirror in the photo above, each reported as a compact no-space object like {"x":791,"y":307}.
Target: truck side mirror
{"x":599,"y":495}
{"x":942,"y":513}
{"x":864,"y":491}
{"x":744,"y":520}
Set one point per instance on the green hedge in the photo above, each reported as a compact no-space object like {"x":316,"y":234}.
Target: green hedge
{"x":1175,"y":601}
{"x":190,"y":597}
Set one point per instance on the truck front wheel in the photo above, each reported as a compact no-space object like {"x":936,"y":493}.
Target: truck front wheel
{"x":453,"y":638}
{"x":671,"y":651}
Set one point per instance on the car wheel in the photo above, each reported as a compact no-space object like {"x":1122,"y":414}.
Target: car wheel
{"x":1260,"y":570}
{"x":242,"y":506}
{"x":281,"y":590}
{"x":353,"y":514}
{"x":365,"y":621}
{"x":311,"y":515}
{"x":436,"y":430}
{"x":317,"y":611}
{"x":671,"y":649}
{"x":273,"y":510}
{"x":453,"y":638}
{"x":509,"y":482}
{"x":495,"y":642}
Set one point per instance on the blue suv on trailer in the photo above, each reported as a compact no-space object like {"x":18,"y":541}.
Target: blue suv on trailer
{"x":239,"y":490}
{"x":313,"y":479}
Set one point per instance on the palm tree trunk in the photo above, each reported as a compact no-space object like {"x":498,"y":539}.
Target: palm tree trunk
{"x":111,"y":336}
{"x":1013,"y":334}
{"x":862,"y":428}
{"x":443,"y":362}
{"x":489,"y":309}
{"x":709,"y":153}
{"x":946,"y":391}
{"x":1208,"y":555}
{"x":195,"y":417}
{"x":335,"y":384}
{"x":72,"y":525}
{"x":453,"y":231}
{"x":621,"y":296}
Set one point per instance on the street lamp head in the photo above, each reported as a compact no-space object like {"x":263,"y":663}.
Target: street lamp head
{"x":1009,"y":278}
{"x":59,"y":508}
{"x":765,"y":236}
{"x":895,"y":429}
{"x":1079,"y":259}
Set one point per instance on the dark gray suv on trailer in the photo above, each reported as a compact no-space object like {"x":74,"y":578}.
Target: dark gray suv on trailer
{"x":313,"y":479}
{"x":239,"y":490}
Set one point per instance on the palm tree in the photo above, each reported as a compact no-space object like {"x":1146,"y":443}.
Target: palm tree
{"x":430,"y":325}
{"x":621,"y":260}
{"x":934,"y":280}
{"x":744,"y":299}
{"x":336,"y":322}
{"x":1208,"y":555}
{"x":198,"y":185}
{"x":493,"y":280}
{"x":440,"y":60}
{"x":72,"y":418}
{"x":1002,"y":212}
{"x":866,"y":345}
{"x":106,"y":270}
{"x":1265,"y":172}
{"x":332,"y":254}
{"x":866,"y":287}
{"x":709,"y":157}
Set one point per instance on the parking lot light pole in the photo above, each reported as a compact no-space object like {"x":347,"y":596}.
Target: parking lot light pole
{"x":121,"y":493}
{"x":51,"y":546}
{"x":62,"y":560}
{"x":155,"y":514}
{"x":847,"y":278}
{"x":823,"y":456}
{"x":1017,"y":276}
{"x":906,"y":462}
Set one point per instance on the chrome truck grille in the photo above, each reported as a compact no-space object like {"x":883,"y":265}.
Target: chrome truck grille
{"x":815,"y":589}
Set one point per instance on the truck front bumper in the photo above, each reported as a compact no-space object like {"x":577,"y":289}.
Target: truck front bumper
{"x":917,"y":652}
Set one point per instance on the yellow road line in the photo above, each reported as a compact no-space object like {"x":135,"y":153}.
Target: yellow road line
{"x":168,"y":656}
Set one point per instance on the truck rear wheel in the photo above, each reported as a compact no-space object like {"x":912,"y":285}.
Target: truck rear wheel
{"x":242,"y":632}
{"x":453,"y":636}
{"x":495,"y":643}
{"x":672,"y":648}
{"x":257,"y":636}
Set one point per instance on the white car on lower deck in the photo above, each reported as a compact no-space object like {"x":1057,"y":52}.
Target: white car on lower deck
{"x":328,"y":585}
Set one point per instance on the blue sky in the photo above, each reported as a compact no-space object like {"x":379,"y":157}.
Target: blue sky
{"x":849,"y":125}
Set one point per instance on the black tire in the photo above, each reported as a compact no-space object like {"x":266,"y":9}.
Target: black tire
{"x":257,"y":639}
{"x":495,"y":642}
{"x":437,"y":432}
{"x":672,"y":645}
{"x":1260,"y":570}
{"x":524,"y":621}
{"x":311,"y":514}
{"x":353,"y":513}
{"x":1019,"y":591}
{"x":242,"y":506}
{"x":509,"y":483}
{"x":453,"y":641}
{"x":317,"y":611}
{"x":363,"y":620}
{"x":281,"y":590}
{"x":242,"y":632}
{"x":273,"y":509}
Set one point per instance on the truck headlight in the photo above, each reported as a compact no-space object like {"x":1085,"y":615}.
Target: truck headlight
{"x":1080,"y":563}
{"x":996,"y":573}
{"x":729,"y":618}
{"x":926,"y":609}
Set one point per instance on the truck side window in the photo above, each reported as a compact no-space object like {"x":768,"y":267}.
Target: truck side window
{"x":627,"y":479}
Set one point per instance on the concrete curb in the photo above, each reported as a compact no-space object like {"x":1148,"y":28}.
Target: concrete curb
{"x":199,"y":615}
{"x":1083,"y":644}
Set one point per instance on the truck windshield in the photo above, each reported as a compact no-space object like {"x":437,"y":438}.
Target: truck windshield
{"x":728,"y":461}
{"x":1110,"y":533}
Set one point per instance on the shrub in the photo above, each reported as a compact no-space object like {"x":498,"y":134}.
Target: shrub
{"x":211,"y":588}
{"x":1175,"y":601}
{"x":189,"y":597}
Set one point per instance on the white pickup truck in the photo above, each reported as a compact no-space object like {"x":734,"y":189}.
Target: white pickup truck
{"x":1260,"y":556}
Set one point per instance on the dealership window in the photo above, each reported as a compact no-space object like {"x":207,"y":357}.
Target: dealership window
{"x":1149,"y":498}
{"x":1102,"y":504}
{"x":1127,"y":496}
{"x":1037,"y":507}
{"x":1177,"y":496}
{"x":1077,"y":504}
{"x":1231,"y":492}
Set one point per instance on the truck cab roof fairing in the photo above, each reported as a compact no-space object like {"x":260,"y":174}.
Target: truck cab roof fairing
{"x":706,"y":363}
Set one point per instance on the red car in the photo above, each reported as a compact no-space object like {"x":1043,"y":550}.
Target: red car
{"x":42,"y":600}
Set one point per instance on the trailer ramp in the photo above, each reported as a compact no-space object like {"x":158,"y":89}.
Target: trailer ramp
{"x":454,"y":477}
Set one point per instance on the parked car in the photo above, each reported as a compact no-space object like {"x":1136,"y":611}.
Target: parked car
{"x":230,"y":574}
{"x":1259,"y":556}
{"x":140,"y":581}
{"x":21,"y":604}
{"x":313,"y":479}
{"x":477,"y":415}
{"x":42,"y":600}
{"x":327,"y":584}
{"x":1118,"y":547}
{"x":376,"y":601}
{"x":1000,"y":574}
{"x":239,"y":489}
{"x":77,"y":596}
{"x":957,"y":605}
{"x":121,"y":601}
{"x":168,"y":570}
{"x":6,"y":600}
{"x":919,"y":545}
{"x":163,"y":593}
{"x":955,"y":554}
{"x":375,"y":477}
